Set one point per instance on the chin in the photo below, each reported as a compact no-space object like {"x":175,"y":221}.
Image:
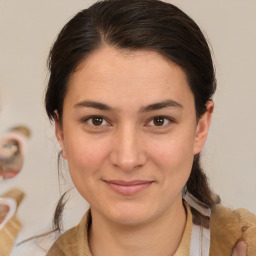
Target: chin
{"x":130,"y":214}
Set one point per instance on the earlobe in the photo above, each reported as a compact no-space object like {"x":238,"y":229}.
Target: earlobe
{"x":203,"y":126}
{"x":59,"y":133}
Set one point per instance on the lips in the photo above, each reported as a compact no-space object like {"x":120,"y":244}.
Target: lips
{"x":128,"y":187}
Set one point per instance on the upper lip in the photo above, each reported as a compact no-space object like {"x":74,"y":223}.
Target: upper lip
{"x":128,"y":183}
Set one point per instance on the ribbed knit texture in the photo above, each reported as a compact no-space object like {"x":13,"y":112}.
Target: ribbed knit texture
{"x":227,"y":227}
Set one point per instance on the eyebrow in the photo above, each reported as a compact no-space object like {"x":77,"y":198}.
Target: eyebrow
{"x":151,"y":107}
{"x":93,"y":104}
{"x":161,"y":105}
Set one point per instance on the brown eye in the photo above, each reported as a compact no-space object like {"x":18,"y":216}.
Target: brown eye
{"x":159,"y":121}
{"x":97,"y":121}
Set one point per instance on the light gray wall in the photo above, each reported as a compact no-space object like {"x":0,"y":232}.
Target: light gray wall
{"x":27,"y":30}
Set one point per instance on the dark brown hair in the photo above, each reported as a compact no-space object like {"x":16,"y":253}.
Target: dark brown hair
{"x":135,"y":25}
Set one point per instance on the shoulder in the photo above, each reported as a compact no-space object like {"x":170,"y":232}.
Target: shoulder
{"x":230,"y":226}
{"x":66,"y":244}
{"x":73,"y":241}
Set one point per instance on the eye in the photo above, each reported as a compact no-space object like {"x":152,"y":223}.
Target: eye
{"x":96,"y":121}
{"x":159,"y":121}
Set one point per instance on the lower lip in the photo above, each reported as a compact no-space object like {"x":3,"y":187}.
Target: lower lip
{"x":129,"y":189}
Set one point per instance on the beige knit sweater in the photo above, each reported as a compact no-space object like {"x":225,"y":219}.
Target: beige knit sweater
{"x":227,"y":228}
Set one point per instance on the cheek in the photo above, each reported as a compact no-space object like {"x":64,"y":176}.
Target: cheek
{"x":172,"y":152}
{"x":86,"y":156}
{"x":173,"y":158}
{"x":172,"y":161}
{"x":86,"y":159}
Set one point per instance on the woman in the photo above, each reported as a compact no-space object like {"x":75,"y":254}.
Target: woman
{"x":130,"y":92}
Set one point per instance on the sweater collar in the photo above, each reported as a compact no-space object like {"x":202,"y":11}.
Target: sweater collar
{"x":84,"y":226}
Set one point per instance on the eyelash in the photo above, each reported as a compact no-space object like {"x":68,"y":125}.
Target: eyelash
{"x":90,"y":119}
{"x":167,"y":121}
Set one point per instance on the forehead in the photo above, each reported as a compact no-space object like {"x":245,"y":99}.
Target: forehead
{"x":112,"y":74}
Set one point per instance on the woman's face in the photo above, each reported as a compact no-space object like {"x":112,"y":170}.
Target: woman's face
{"x":129,"y":133}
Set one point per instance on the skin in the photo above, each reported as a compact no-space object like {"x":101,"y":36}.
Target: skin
{"x":131,"y":144}
{"x":240,"y":249}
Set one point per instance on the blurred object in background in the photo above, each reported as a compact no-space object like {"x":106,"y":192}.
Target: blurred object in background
{"x":12,"y":151}
{"x":9,"y":223}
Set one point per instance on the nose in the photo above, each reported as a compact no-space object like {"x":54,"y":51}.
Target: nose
{"x":127,"y":152}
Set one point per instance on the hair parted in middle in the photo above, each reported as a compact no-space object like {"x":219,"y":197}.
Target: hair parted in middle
{"x":136,"y":25}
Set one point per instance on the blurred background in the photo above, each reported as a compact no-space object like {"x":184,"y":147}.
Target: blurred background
{"x":27,"y":30}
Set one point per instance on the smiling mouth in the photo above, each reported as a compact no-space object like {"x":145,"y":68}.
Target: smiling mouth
{"x":128,"y":187}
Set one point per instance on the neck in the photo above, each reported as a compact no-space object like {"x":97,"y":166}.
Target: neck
{"x":160,"y":236}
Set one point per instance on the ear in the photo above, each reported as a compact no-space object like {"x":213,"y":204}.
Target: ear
{"x":59,"y":133}
{"x":203,"y":126}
